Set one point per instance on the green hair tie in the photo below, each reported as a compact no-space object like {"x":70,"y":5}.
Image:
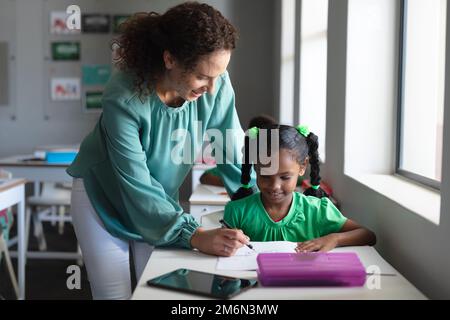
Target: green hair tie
{"x":303,"y":130}
{"x":246,"y":186}
{"x":253,"y":132}
{"x":316,"y":187}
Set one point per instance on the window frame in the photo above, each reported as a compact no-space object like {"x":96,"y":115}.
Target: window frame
{"x":435,"y":184}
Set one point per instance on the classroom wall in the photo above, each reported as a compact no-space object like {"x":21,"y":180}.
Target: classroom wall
{"x":23,"y":125}
{"x":414,"y":246}
{"x":253,"y":65}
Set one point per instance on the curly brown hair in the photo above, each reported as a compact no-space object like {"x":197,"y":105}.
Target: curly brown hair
{"x":188,"y":31}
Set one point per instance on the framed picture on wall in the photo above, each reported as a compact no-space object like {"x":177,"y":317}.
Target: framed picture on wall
{"x":95,"y":74}
{"x":58,"y":23}
{"x":65,"y":51}
{"x":95,"y":23}
{"x":4,"y":73}
{"x":92,"y":101}
{"x":65,"y":89}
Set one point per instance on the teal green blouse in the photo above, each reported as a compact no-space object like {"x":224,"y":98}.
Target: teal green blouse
{"x":308,"y":218}
{"x":132,"y":162}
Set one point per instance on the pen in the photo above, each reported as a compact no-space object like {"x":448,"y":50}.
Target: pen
{"x":226,"y":225}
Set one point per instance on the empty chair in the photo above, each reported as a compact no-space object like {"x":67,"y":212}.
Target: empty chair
{"x":50,"y":205}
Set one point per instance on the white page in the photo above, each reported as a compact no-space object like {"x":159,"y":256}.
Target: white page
{"x":245,"y":258}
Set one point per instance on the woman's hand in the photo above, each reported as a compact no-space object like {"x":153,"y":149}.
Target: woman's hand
{"x":322,"y":244}
{"x":219,"y":242}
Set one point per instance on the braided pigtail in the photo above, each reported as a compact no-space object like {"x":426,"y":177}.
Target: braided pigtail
{"x":313,"y":145}
{"x":246,"y":189}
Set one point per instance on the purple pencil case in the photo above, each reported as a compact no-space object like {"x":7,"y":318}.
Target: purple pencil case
{"x":310,"y":269}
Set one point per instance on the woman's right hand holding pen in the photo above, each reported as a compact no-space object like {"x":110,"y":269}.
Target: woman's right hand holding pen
{"x":220,"y":242}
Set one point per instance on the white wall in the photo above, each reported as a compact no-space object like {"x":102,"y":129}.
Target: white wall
{"x":252,"y":74}
{"x":416,"y":247}
{"x":252,"y":69}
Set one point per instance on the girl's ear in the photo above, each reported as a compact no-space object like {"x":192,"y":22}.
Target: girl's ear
{"x":169,"y":60}
{"x":303,"y":166}
{"x":302,"y":170}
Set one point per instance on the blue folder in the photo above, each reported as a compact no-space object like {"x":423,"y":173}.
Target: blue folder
{"x":60,"y":157}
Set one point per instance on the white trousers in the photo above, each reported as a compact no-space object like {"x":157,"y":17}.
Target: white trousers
{"x":105,"y":256}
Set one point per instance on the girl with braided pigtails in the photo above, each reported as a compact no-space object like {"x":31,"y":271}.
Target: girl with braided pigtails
{"x":277,"y":212}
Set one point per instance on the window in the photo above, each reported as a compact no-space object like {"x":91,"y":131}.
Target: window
{"x":304,"y":65}
{"x":421,"y":90}
{"x":287,"y":62}
{"x":364,"y":43}
{"x":313,"y":68}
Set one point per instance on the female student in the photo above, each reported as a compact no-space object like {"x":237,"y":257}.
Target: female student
{"x":279,"y":213}
{"x":125,"y":194}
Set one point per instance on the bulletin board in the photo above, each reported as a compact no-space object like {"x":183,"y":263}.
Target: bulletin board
{"x":8,"y":59}
{"x":77,"y":65}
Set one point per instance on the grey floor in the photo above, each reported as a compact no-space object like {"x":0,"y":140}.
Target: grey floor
{"x":46,"y":279}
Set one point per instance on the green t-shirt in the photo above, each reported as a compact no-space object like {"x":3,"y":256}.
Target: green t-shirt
{"x":308,"y":218}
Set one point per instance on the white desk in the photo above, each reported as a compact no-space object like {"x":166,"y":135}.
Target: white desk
{"x":12,"y":192}
{"x":206,"y":199}
{"x":197,"y":171}
{"x":37,"y":172}
{"x":166,"y":260}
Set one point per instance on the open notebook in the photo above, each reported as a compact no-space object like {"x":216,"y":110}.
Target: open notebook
{"x":245,"y":258}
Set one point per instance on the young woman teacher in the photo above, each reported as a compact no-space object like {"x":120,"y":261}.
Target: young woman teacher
{"x":172,"y":75}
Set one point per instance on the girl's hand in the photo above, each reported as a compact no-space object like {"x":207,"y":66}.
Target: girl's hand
{"x":219,"y":242}
{"x":322,"y":244}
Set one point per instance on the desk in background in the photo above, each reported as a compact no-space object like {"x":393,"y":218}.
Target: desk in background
{"x":197,"y":171}
{"x":206,"y":199}
{"x":166,"y":260}
{"x":12,"y":192}
{"x":38,"y":171}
